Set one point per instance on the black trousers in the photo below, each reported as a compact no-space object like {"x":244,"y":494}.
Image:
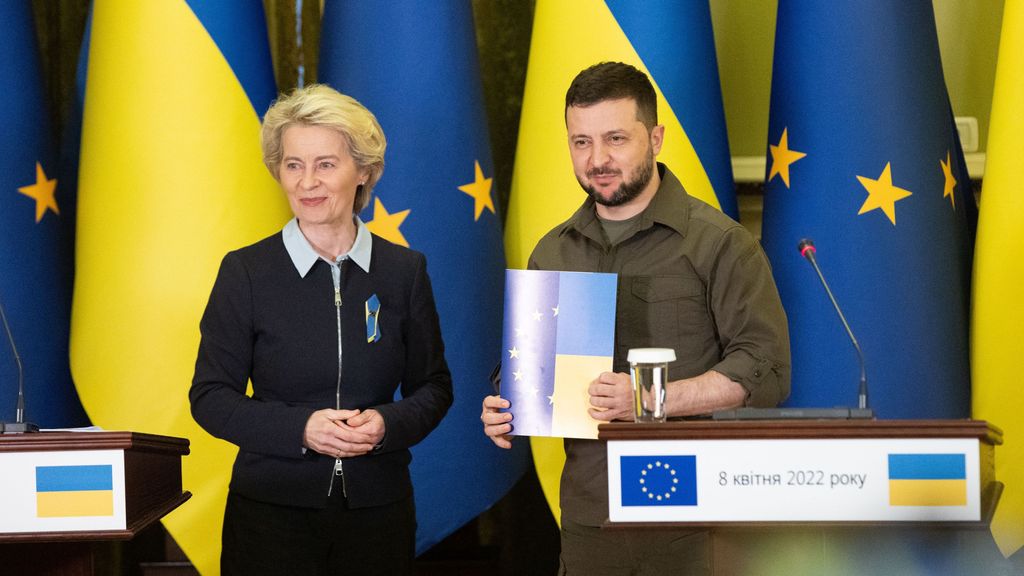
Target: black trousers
{"x":269,"y":539}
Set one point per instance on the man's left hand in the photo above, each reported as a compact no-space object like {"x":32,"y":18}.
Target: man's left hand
{"x":611,"y":397}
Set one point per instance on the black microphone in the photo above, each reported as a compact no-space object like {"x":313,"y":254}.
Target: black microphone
{"x":807,"y":250}
{"x":19,"y":425}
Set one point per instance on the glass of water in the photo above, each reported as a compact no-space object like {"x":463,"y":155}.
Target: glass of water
{"x":648,"y":371}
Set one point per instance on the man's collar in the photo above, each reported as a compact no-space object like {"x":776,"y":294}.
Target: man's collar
{"x":667,"y":207}
{"x":304,"y":256}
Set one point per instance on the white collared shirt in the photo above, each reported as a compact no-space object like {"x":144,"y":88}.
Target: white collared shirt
{"x":304,"y":256}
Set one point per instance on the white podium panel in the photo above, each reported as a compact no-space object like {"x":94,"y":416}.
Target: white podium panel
{"x":73,"y":491}
{"x":794,"y":480}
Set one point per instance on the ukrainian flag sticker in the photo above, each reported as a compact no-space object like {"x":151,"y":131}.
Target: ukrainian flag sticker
{"x":927,"y":480}
{"x":70,"y":491}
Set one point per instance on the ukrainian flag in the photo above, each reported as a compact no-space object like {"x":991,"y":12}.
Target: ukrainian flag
{"x":927,"y":480}
{"x":673,"y":43}
{"x":998,"y":310}
{"x":171,"y":179}
{"x":68,"y":491}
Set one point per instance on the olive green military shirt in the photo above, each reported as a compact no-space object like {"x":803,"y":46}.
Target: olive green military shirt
{"x":691,"y":279}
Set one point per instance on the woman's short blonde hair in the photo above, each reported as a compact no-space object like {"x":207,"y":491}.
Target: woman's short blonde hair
{"x":320,"y":105}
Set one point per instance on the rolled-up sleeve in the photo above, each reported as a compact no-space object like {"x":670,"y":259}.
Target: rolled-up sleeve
{"x":751,"y":322}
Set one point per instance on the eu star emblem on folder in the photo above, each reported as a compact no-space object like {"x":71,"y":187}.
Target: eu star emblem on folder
{"x":372,"y":319}
{"x":559,"y":335}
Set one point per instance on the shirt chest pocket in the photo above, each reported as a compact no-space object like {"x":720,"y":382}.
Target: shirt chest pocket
{"x":664,"y":311}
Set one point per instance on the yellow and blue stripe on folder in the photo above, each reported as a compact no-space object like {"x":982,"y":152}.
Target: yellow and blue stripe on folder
{"x":66,"y":491}
{"x":927,"y":480}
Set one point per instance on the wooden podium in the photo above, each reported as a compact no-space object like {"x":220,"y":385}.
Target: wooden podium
{"x":769,"y":491}
{"x":63,"y":492}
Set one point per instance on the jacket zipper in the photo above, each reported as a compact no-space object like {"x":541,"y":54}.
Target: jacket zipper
{"x":339,"y":471}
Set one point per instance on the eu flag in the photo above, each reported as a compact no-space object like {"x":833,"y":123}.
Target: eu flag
{"x":414,"y":65}
{"x":658,"y":480}
{"x":36,"y":237}
{"x":864,"y":159}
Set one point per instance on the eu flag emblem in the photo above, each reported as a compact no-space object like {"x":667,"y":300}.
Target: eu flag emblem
{"x":658,"y":480}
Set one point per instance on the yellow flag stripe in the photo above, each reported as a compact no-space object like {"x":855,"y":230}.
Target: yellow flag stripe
{"x":74,"y":503}
{"x":928,"y":492}
{"x":998,"y":309}
{"x":573,"y":375}
{"x":171,"y":179}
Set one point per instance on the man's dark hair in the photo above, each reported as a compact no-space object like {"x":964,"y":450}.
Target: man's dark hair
{"x":613,"y":81}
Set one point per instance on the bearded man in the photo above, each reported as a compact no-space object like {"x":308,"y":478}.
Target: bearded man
{"x":689,"y":278}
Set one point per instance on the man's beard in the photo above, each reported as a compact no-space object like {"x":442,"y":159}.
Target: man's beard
{"x":628,"y":190}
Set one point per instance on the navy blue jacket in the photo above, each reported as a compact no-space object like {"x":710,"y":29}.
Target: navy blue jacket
{"x":266,"y":323}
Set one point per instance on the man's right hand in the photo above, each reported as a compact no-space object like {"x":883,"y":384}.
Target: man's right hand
{"x":497,"y":425}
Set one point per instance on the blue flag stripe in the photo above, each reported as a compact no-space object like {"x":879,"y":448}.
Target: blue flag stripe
{"x":74,"y":478}
{"x":233,"y":25}
{"x":675,"y":40}
{"x":927,"y":467}
{"x":582,"y":331}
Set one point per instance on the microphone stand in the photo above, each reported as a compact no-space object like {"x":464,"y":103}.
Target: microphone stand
{"x":19,"y":426}
{"x":807,"y":251}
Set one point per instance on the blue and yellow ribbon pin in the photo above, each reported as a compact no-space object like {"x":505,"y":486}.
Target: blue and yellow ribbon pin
{"x":372,"y":319}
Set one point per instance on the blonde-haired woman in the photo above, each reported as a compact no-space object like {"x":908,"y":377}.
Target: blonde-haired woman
{"x":327,"y":321}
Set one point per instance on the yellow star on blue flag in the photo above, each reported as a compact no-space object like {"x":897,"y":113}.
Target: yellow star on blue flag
{"x":783,"y":157}
{"x":949,"y":184}
{"x":882,"y":194}
{"x":480,"y":190}
{"x":42,"y":192}
{"x":387,"y":225}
